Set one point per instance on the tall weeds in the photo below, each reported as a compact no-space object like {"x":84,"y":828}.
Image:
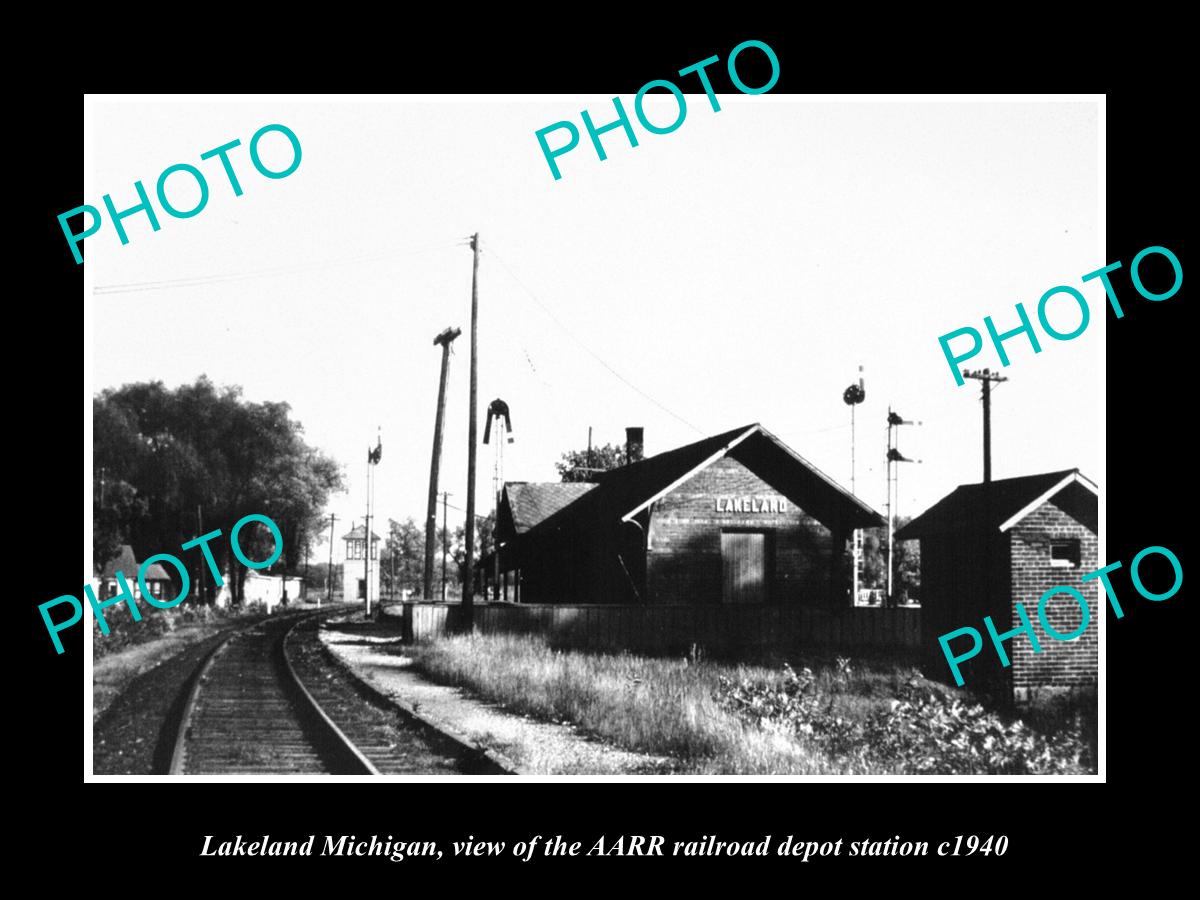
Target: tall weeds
{"x":724,"y":719}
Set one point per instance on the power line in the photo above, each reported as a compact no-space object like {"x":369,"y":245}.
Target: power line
{"x":841,"y":427}
{"x":589,"y":350}
{"x":289,"y":269}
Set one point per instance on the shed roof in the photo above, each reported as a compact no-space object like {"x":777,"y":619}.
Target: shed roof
{"x":997,"y":506}
{"x":531,"y":502}
{"x":356,"y":534}
{"x":157,"y":573}
{"x":623,"y":493}
{"x":126,"y":563}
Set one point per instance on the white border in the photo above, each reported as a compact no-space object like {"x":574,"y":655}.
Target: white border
{"x":88,"y":358}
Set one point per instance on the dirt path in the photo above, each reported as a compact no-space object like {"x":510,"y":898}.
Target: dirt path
{"x":375,"y":653}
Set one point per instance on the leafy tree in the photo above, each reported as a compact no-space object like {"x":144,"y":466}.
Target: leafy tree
{"x":318,"y":574}
{"x":485,"y":527}
{"x":179,"y":463}
{"x":907,"y":575}
{"x":403,"y":561}
{"x":404,"y":553}
{"x":580,"y":465}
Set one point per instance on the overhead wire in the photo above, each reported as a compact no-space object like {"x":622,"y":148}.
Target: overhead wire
{"x":268,"y":272}
{"x":571,"y":334}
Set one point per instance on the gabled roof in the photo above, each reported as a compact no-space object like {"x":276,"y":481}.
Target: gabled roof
{"x":623,"y":493}
{"x":356,"y":534}
{"x":531,"y":502}
{"x":126,"y":563}
{"x":157,"y":573}
{"x":996,"y":506}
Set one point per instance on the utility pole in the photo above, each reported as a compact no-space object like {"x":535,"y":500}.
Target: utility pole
{"x":367,"y":542}
{"x":468,"y":595}
{"x":987,"y":376}
{"x":445,"y":541}
{"x":444,"y":339}
{"x":329,"y":571}
{"x":199,"y":568}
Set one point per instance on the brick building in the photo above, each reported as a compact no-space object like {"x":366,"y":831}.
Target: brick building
{"x":986,"y":546}
{"x":738,"y":517}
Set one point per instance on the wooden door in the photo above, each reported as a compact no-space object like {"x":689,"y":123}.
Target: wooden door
{"x":744,"y":567}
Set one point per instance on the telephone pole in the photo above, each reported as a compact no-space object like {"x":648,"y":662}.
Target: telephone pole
{"x":987,"y":376}
{"x":367,"y":542}
{"x":444,"y":339}
{"x":445,"y":540}
{"x":468,"y":594}
{"x":329,"y":571}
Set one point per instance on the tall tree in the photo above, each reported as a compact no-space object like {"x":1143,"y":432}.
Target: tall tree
{"x":198,"y":457}
{"x":907,"y":576}
{"x":403,"y":557}
{"x":582,"y":465}
{"x":485,"y":528}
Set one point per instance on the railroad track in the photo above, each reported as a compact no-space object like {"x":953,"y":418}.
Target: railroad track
{"x":267,"y":701}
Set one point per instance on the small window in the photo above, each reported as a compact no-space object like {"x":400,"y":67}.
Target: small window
{"x":1064,"y":553}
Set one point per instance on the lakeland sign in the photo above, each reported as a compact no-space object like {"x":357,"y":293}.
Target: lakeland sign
{"x":751,"y":504}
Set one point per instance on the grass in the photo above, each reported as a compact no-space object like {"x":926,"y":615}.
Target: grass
{"x":825,"y":716}
{"x":661,"y":706}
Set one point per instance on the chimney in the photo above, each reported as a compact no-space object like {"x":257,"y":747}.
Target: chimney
{"x":634,"y":445}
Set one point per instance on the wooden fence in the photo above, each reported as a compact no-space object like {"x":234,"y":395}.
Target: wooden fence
{"x":718,"y":630}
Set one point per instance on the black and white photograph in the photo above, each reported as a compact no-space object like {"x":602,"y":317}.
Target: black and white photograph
{"x":529,"y":437}
{"x":423,"y":447}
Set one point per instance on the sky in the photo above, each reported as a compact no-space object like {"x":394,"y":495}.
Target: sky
{"x":737,"y":270}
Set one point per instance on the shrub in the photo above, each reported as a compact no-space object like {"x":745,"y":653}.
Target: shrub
{"x":936,"y":736}
{"x":792,"y":706}
{"x":125,"y":632}
{"x":923,"y":732}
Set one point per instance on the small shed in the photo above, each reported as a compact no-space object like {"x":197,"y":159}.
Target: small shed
{"x":270,"y":590}
{"x":156,"y":577}
{"x":986,"y":546}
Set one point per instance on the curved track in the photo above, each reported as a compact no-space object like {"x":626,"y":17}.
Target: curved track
{"x":248,"y":712}
{"x":270,"y":700}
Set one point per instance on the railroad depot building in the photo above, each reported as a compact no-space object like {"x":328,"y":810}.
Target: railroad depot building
{"x":984,"y":547}
{"x":737,"y":518}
